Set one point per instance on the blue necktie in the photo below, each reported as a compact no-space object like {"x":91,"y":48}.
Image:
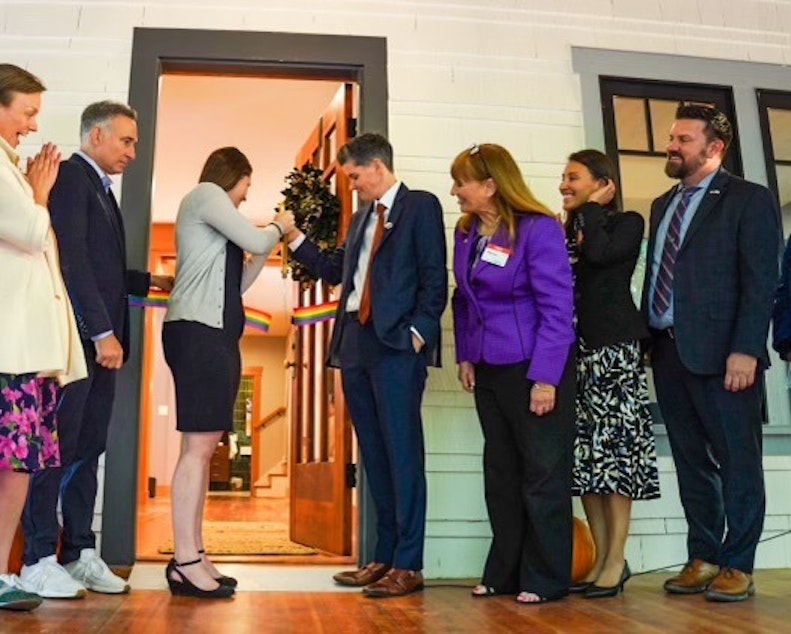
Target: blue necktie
{"x":663,"y":290}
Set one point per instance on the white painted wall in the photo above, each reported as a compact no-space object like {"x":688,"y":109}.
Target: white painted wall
{"x":460,"y":71}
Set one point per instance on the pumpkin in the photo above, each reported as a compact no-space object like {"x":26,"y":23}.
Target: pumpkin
{"x":584,"y":551}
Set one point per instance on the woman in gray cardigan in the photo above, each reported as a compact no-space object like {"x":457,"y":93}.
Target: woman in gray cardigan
{"x":203,"y":325}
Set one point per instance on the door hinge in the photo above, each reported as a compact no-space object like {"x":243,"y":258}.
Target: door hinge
{"x":351,"y":475}
{"x":351,"y":127}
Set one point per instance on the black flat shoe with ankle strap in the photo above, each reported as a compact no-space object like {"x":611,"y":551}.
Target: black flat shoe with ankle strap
{"x":183,"y":587}
{"x":231,"y":582}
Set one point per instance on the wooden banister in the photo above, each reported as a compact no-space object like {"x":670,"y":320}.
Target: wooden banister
{"x":271,"y":416}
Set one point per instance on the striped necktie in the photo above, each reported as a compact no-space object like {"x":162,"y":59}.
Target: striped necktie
{"x":663,"y":289}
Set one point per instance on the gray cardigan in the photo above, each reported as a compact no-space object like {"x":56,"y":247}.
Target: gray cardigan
{"x":206,"y":220}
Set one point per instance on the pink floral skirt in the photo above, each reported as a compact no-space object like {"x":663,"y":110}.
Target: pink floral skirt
{"x":28,"y":424}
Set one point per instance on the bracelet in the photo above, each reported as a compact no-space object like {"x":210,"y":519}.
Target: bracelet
{"x":276,"y":226}
{"x":543,"y":386}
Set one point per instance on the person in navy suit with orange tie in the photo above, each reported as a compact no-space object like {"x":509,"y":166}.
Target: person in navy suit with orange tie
{"x":713,"y":254}
{"x":387,"y":331}
{"x":513,"y":321}
{"x":90,"y":232}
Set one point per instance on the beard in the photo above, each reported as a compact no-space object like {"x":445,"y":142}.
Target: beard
{"x":686,"y":167}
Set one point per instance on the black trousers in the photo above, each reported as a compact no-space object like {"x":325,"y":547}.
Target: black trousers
{"x":83,"y":420}
{"x":527,"y":462}
{"x":715,"y":437}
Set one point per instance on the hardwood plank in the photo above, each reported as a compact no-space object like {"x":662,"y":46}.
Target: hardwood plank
{"x":445,"y":607}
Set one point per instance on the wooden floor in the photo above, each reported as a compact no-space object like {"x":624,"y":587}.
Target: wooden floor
{"x":440,"y":608}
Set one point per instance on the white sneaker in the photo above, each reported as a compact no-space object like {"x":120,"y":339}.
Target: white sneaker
{"x":49,"y":580}
{"x":94,"y":574}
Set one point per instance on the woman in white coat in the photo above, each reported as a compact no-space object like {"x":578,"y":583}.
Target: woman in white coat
{"x":39,"y":343}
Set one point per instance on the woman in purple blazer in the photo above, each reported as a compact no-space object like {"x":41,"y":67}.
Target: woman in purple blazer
{"x":512,"y":313}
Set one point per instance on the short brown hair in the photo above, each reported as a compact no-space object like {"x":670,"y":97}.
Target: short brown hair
{"x":716,"y":124}
{"x":365,"y":148}
{"x":225,"y":167}
{"x":15,"y":79}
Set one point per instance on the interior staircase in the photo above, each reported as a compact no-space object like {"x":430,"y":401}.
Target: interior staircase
{"x":274,"y":483}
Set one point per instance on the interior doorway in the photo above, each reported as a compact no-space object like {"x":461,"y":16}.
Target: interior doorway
{"x":253,"y":477}
{"x":158,"y":52}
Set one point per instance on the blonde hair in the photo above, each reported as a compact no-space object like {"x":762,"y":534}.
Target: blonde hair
{"x":512,"y":195}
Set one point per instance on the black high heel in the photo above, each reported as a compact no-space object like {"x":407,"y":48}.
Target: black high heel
{"x":599,"y":592}
{"x":580,"y":587}
{"x":231,"y":582}
{"x":183,"y":587}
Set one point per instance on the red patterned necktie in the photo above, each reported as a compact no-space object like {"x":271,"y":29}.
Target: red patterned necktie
{"x":663,"y":289}
{"x":365,"y":297}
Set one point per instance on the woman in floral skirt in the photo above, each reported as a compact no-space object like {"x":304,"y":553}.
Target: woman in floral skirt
{"x":39,"y":343}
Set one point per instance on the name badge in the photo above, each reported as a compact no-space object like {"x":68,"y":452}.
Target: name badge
{"x":496,"y":255}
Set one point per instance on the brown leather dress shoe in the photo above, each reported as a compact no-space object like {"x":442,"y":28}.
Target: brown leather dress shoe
{"x":396,"y":583}
{"x":731,"y":585}
{"x":371,"y":573}
{"x":693,"y":579}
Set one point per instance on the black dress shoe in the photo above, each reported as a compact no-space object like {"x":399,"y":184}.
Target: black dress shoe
{"x":181,"y":586}
{"x":600,"y":592}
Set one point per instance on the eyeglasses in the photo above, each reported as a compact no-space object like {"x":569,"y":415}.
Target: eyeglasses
{"x":477,"y":150}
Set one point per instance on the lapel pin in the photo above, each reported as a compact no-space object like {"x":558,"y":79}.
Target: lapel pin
{"x":714,"y":192}
{"x":388,"y":225}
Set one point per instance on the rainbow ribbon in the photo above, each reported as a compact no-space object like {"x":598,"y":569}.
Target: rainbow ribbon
{"x":257,"y":319}
{"x":308,"y":315}
{"x":254,"y":318}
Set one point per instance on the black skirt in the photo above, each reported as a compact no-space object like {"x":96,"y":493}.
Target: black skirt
{"x":206,"y":362}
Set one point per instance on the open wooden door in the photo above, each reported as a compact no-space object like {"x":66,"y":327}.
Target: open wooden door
{"x":321,"y":440}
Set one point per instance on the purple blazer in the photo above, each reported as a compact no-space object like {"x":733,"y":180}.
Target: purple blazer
{"x":520,"y":311}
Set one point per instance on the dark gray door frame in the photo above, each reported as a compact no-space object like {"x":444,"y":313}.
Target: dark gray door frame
{"x":157,"y":51}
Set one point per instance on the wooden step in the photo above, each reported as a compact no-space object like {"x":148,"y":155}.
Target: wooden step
{"x":274,"y":483}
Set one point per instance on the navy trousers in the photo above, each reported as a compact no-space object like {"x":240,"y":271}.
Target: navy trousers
{"x":715,"y":437}
{"x":383,"y":390}
{"x":83,"y":420}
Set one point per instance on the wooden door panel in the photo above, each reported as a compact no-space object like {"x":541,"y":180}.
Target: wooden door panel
{"x":321,"y":439}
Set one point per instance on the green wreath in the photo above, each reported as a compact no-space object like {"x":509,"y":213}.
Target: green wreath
{"x":317,"y":212}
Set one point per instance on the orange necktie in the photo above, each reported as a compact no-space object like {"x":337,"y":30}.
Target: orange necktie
{"x":365,"y":298}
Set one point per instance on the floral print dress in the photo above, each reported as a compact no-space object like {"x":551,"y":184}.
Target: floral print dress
{"x":28,"y":429}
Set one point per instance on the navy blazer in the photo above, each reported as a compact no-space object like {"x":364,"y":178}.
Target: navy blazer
{"x":725,"y":273}
{"x":409,"y":284}
{"x":92,"y":243}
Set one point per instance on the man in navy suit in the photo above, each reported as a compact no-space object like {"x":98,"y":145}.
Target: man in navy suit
{"x":387,"y":330}
{"x":90,"y":233}
{"x":712,"y":269}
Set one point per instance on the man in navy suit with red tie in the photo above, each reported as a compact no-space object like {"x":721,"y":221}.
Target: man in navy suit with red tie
{"x":387,"y":330}
{"x":90,"y":233}
{"x":712,"y":269}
